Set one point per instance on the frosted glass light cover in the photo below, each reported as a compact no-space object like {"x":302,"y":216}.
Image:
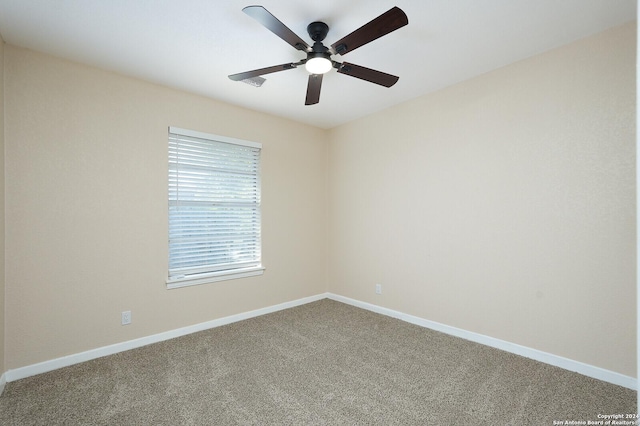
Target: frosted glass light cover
{"x":318,"y":65}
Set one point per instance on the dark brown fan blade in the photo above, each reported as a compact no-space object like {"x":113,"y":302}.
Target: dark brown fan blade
{"x":262,"y":71}
{"x":389,"y":21}
{"x":373,"y":76}
{"x":313,"y":89}
{"x":272,"y":23}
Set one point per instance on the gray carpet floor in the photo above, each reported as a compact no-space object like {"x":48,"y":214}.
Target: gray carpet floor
{"x":324,"y":363}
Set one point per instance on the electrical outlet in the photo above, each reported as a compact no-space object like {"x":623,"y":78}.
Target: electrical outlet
{"x":126,"y":317}
{"x":378,"y":288}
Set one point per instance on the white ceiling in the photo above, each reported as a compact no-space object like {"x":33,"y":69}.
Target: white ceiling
{"x":194,"y":44}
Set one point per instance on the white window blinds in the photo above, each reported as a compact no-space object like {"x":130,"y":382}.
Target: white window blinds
{"x":214,"y":204}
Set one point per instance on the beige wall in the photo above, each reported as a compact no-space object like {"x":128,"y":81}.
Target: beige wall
{"x":86,"y":208}
{"x":504,"y":205}
{"x":2,"y":365}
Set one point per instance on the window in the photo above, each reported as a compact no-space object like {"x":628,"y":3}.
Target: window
{"x":214,"y":208}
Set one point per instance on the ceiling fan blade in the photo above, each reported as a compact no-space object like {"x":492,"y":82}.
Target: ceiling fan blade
{"x":363,"y":73}
{"x":274,"y":25}
{"x":313,"y":89}
{"x":262,"y":71}
{"x":389,"y":21}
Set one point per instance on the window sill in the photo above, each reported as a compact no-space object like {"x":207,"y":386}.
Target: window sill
{"x":214,"y":276}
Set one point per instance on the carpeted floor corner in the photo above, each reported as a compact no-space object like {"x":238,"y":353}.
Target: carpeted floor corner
{"x":324,"y":363}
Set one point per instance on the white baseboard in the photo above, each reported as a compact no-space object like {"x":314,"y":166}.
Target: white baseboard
{"x":547,"y":358}
{"x":555,"y":360}
{"x":54,"y":364}
{"x":3,"y":381}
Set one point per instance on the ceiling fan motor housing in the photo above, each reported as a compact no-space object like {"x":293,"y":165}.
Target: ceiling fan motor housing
{"x":317,"y":30}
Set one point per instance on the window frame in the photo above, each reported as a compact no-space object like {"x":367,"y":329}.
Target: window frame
{"x":217,"y":274}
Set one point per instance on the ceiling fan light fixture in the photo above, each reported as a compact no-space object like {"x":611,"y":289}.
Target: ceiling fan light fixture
{"x":318,"y":61}
{"x":318,"y":65}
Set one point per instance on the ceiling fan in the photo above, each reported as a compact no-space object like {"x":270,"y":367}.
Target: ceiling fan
{"x":318,"y":60}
